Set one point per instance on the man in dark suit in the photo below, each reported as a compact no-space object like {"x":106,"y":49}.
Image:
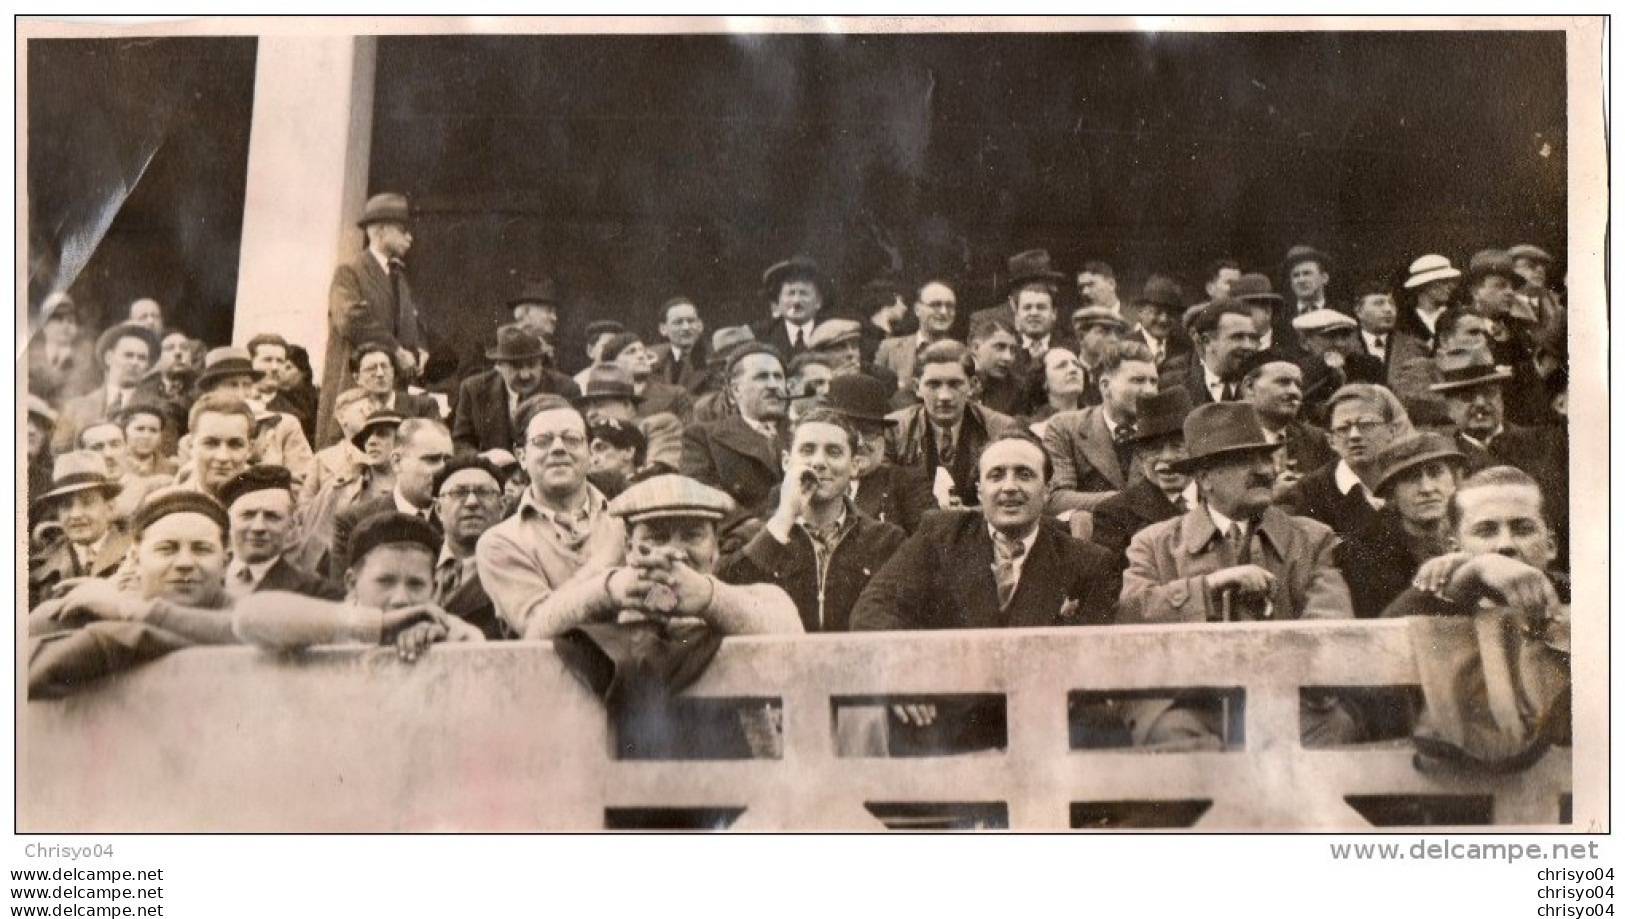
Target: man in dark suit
{"x":681,"y":359}
{"x":1274,"y":387}
{"x":422,"y":449}
{"x":487,"y":402}
{"x":371,"y":299}
{"x":1163,"y":490}
{"x":1006,"y":566}
{"x":1332,"y":357}
{"x":946,"y":430}
{"x":741,"y":453}
{"x":468,"y":500}
{"x":126,"y":352}
{"x":1158,"y":308}
{"x":1093,"y":448}
{"x":259,"y":504}
{"x":80,"y":500}
{"x":1377,"y":315}
{"x":797,"y":289}
{"x":1225,"y":337}
{"x":1365,"y":419}
{"x":1307,"y":271}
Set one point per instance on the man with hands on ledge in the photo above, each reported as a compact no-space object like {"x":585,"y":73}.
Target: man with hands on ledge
{"x":670,"y":554}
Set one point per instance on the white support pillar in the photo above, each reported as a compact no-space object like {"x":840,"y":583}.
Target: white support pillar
{"x":307,"y":182}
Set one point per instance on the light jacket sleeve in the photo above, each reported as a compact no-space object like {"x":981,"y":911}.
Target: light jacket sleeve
{"x":284,"y":621}
{"x":1153,"y":590}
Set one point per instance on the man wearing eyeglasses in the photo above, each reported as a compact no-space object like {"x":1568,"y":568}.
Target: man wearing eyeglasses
{"x":468,"y":498}
{"x":1364,"y":419}
{"x":561,"y":528}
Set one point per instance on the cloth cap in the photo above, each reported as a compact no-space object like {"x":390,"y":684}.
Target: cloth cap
{"x":1091,"y":316}
{"x":255,"y":478}
{"x":670,"y":496}
{"x":622,"y":435}
{"x":1324,"y":320}
{"x":462,"y":463}
{"x":383,"y":418}
{"x":391,"y":528}
{"x":832,"y":332}
{"x":1160,"y":292}
{"x":1533,"y":253}
{"x":729,"y":336}
{"x":1299,"y":254}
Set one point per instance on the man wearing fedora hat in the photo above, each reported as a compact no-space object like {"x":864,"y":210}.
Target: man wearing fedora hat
{"x":612,"y":393}
{"x":1274,"y":323}
{"x":81,"y":501}
{"x":680,"y":359}
{"x":797,"y":289}
{"x":126,"y":352}
{"x":1157,"y":309}
{"x":370,"y":298}
{"x":1306,"y":271}
{"x":1161,"y":491}
{"x":487,"y":403}
{"x":62,"y":364}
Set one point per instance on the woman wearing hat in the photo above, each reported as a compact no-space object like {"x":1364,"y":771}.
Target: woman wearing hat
{"x":1416,"y":478}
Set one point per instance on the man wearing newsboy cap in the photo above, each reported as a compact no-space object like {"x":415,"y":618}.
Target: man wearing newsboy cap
{"x":371,"y":299}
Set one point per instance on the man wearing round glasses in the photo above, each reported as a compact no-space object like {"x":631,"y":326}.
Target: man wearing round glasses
{"x":1364,"y":419}
{"x":561,"y":527}
{"x":468,"y":500}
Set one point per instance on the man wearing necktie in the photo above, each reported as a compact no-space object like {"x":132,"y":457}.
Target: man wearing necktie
{"x":1160,"y":491}
{"x":1305,"y":269}
{"x":1233,"y":557}
{"x":371,"y":298}
{"x":1226,"y":336}
{"x":1093,"y":448}
{"x":259,"y":504}
{"x":797,"y":290}
{"x":422,"y":448}
{"x":468,"y":498}
{"x":1377,"y":314}
{"x":1364,"y":420}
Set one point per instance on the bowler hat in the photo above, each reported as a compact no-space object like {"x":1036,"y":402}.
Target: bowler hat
{"x":125,"y":330}
{"x":1533,"y":253}
{"x":1028,"y":267}
{"x":860,"y":397}
{"x":383,"y":418}
{"x":222,"y":363}
{"x":1219,"y":430}
{"x":76,"y":471}
{"x":1462,"y":368}
{"x":670,"y":496}
{"x":1160,"y":292}
{"x":1413,"y":451}
{"x":541,"y":290}
{"x":1299,"y":254}
{"x":797,"y":268}
{"x":1162,"y":414}
{"x":1430,"y":268}
{"x":388,"y":207}
{"x":1254,"y":287}
{"x":609,"y":382}
{"x":516,"y":343}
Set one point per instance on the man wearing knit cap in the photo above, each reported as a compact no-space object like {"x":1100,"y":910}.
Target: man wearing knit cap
{"x":561,"y":529}
{"x":259,"y":503}
{"x":670,"y":555}
{"x":470,"y":498}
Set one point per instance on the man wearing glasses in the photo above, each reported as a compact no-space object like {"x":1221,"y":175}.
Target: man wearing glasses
{"x":1364,"y":419}
{"x":468,"y":499}
{"x":561,"y":528}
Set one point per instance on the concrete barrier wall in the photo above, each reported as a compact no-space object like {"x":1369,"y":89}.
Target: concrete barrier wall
{"x":501,"y":737}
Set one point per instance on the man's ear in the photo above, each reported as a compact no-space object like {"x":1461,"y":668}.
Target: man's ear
{"x":784,"y":460}
{"x":349,"y":583}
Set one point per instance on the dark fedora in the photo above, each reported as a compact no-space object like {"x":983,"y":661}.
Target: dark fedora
{"x":516,"y":343}
{"x":1463,"y":368}
{"x":1162,"y":293}
{"x":1220,"y":430}
{"x":860,"y":397}
{"x":222,"y":363}
{"x":543,"y":291}
{"x":1410,"y":452}
{"x":388,"y":207}
{"x":610,"y":382}
{"x":1254,"y":287}
{"x":1299,"y":254}
{"x":76,"y":471}
{"x":1028,"y":267}
{"x":1162,"y":414}
{"x":125,"y":330}
{"x":797,"y":268}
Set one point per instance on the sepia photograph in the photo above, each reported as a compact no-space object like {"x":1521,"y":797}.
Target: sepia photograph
{"x":790,"y":425}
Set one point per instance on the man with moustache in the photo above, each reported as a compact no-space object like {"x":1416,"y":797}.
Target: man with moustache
{"x":488,"y":402}
{"x":817,"y":545}
{"x":797,"y":290}
{"x":1365,"y":419}
{"x":935,"y":306}
{"x":1232,"y":558}
{"x":740,"y":454}
{"x":1161,"y":491}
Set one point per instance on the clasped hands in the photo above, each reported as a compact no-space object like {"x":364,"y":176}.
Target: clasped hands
{"x":659,"y":582}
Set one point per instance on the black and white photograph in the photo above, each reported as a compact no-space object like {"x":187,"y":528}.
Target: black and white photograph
{"x":1041,"y":425}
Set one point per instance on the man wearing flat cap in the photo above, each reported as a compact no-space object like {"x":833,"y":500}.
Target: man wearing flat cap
{"x":1332,"y":356}
{"x":841,"y":341}
{"x":126,"y":352}
{"x":670,"y":554}
{"x":487,"y":402}
{"x":80,"y":499}
{"x":1306,"y":270}
{"x":259,"y":504}
{"x":371,"y":299}
{"x":1232,"y":558}
{"x":797,"y":289}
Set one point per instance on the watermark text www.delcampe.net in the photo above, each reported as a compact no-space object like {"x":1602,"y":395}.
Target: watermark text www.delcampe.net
{"x":1445,"y":850}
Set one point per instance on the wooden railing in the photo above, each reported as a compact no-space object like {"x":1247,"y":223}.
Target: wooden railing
{"x":502,"y":737}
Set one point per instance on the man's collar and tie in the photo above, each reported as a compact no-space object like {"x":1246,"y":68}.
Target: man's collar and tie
{"x":242,"y":577}
{"x":1037,"y":347}
{"x":1122,"y":441}
{"x":1222,"y":390}
{"x":1375,"y":344}
{"x":798,"y":333}
{"x":407,"y":507}
{"x":1347,"y":480}
{"x":1009,"y":555}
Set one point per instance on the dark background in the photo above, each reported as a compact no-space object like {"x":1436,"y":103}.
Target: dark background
{"x":632,"y":168}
